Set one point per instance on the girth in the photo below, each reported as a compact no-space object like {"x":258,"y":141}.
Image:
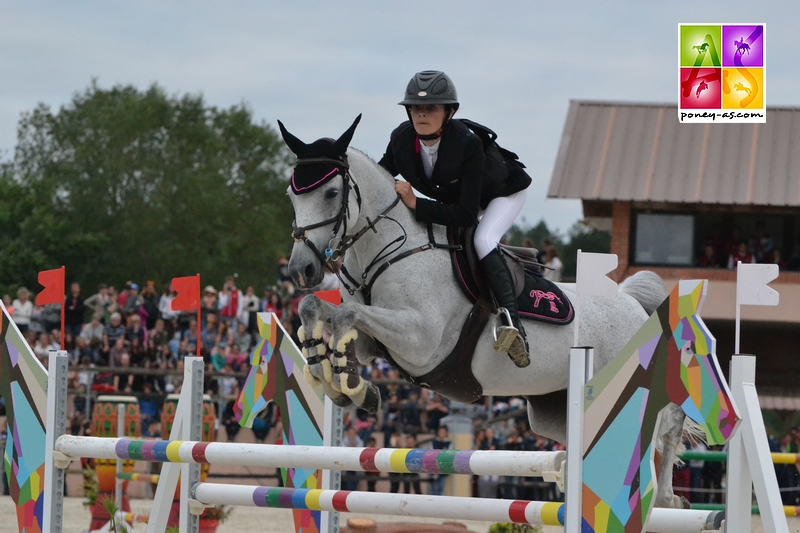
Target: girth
{"x":453,"y":377}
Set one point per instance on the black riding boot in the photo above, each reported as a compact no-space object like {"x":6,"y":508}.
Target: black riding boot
{"x":511,"y":337}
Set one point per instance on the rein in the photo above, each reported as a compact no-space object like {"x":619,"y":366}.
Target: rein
{"x":333,"y":253}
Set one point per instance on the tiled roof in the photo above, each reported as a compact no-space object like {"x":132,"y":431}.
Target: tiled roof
{"x":640,"y":152}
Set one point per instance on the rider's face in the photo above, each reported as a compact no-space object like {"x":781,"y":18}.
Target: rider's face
{"x":427,"y":119}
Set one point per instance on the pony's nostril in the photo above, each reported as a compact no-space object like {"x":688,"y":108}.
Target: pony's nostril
{"x":308,"y":273}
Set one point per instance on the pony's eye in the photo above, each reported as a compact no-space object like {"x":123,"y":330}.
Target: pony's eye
{"x":331,"y":194}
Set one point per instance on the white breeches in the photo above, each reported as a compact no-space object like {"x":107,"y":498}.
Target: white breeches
{"x":497,"y":218}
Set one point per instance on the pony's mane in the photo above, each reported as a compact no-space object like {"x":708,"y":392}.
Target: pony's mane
{"x":382,"y":172}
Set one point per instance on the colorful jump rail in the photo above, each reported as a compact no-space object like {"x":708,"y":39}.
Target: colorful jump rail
{"x":442,"y":507}
{"x":788,"y":510}
{"x":472,"y":462}
{"x":721,"y":457}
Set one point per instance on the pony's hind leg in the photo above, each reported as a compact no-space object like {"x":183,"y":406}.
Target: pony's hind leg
{"x":547,"y":415}
{"x":670,"y":433}
{"x":318,"y":370}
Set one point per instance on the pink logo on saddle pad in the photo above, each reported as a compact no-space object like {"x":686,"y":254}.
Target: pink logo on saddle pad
{"x":549,"y":296}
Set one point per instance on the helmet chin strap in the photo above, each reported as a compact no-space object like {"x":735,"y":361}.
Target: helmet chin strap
{"x":431,"y":136}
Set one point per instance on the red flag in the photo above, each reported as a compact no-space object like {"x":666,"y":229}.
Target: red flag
{"x":333,"y":296}
{"x":53,"y":283}
{"x":188,"y":289}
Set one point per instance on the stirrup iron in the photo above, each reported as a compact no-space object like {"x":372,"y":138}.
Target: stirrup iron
{"x":503,"y":340}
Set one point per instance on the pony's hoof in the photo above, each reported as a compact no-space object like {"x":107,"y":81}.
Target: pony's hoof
{"x":310,"y":379}
{"x":518,"y":352}
{"x":680,"y":502}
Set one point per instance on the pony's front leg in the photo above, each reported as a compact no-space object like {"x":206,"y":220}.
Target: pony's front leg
{"x":318,"y":371}
{"x":401,"y":331}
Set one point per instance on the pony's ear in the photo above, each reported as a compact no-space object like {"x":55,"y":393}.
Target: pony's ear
{"x":343,"y":142}
{"x":295,"y":145}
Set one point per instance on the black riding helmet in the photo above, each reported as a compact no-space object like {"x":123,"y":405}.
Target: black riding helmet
{"x":431,"y":87}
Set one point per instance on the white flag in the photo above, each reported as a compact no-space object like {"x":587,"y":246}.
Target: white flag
{"x":591,"y":279}
{"x":751,"y":284}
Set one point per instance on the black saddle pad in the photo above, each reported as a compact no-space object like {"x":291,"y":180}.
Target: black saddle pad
{"x":540,"y":299}
{"x":543,"y":300}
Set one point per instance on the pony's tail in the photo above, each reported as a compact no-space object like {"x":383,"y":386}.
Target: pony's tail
{"x":647,"y":288}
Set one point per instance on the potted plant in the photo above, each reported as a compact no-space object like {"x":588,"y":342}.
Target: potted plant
{"x":212,"y":517}
{"x":507,"y":527}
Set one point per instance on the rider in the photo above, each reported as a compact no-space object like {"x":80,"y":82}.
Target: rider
{"x":444,"y":160}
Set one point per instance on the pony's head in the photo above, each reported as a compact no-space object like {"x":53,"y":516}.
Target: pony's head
{"x":694,"y":379}
{"x":323,"y":204}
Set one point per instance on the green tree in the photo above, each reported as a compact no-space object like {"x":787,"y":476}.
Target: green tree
{"x":517,"y":235}
{"x":125,"y":184}
{"x":585,"y":239}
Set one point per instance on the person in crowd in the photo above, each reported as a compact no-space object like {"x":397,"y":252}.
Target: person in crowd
{"x":742,"y":254}
{"x":113,"y":305}
{"x":113,"y":331}
{"x":230,"y":302}
{"x":98,"y":303}
{"x":124,"y":382}
{"x":208,"y":303}
{"x":274,"y":305}
{"x":158,"y":336}
{"x":208,"y":337}
{"x":442,"y":159}
{"x":165,"y":303}
{"x":22,"y":309}
{"x":237,"y":358}
{"x":554,"y":265}
{"x":116,"y":351}
{"x":792,"y":480}
{"x":133,"y":302}
{"x":761,"y":244}
{"x":709,"y":258}
{"x":410,"y":417}
{"x":148,"y":408}
{"x":243,"y":338}
{"x":441,"y":442}
{"x":135,"y":329}
{"x":732,"y":244}
{"x":79,"y":351}
{"x":74,"y":311}
{"x":149,"y":309}
{"x":225,"y":334}
{"x":93,"y":332}
{"x":190,"y":333}
{"x":50,"y":317}
{"x":285,"y":281}
{"x":249,"y":309}
{"x":777,"y":259}
{"x":436,"y":409}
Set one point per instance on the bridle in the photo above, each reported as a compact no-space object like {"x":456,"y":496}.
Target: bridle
{"x":338,"y":246}
{"x":332,"y":253}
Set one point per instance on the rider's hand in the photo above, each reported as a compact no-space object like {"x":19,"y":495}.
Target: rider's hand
{"x":403,"y":188}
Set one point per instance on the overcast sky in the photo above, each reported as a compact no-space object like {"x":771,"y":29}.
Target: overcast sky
{"x":316,"y":65}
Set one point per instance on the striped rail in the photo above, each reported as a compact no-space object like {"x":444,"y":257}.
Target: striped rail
{"x":473,"y":462}
{"x":442,"y":507}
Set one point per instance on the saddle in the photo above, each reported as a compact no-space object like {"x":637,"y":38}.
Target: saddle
{"x":538,"y":299}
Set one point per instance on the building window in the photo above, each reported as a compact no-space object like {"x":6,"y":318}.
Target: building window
{"x":664,"y":239}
